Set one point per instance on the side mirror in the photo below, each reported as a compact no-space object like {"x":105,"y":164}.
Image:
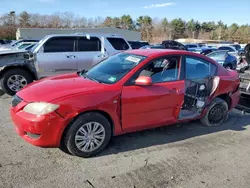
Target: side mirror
{"x":143,"y":81}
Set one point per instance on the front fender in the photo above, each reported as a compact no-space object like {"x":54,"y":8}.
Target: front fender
{"x":23,"y":65}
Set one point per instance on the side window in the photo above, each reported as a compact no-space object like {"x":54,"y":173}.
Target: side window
{"x":163,"y":70}
{"x":198,"y":68}
{"x":118,"y":43}
{"x":59,"y":44}
{"x":89,"y":45}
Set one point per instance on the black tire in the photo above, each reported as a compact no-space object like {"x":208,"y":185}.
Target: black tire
{"x":10,"y":73}
{"x":215,"y":103}
{"x":69,"y":138}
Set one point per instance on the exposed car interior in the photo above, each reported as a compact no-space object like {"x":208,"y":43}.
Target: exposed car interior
{"x":162,"y":70}
{"x":198,"y":87}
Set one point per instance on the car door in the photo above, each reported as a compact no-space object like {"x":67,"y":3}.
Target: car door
{"x":57,"y":56}
{"x":158,"y":104}
{"x":88,"y":52}
{"x":200,"y":82}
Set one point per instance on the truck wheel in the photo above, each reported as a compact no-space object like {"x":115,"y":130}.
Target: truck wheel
{"x":88,"y":135}
{"x":15,"y":79}
{"x":217,"y":113}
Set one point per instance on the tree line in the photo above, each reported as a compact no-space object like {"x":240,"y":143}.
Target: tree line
{"x":152,"y":29}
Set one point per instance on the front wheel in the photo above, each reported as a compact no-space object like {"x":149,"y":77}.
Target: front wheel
{"x":217,"y":113}
{"x":88,"y":135}
{"x":15,"y":79}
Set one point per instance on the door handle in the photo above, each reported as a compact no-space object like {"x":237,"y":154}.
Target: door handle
{"x":102,"y":55}
{"x":70,"y":56}
{"x":177,"y":90}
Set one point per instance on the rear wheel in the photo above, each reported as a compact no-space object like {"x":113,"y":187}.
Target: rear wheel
{"x":88,"y":135}
{"x":15,"y":79}
{"x":217,"y":113}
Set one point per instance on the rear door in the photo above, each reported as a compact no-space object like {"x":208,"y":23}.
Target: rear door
{"x":88,"y":52}
{"x":199,"y":79}
{"x":57,"y":57}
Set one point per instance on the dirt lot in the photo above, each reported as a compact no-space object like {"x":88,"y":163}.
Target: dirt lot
{"x":187,"y":155}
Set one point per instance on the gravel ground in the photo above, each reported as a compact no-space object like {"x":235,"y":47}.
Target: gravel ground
{"x":187,"y":155}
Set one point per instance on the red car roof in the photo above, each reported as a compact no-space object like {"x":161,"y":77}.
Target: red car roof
{"x":156,"y":52}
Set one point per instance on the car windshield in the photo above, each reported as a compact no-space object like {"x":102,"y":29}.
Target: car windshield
{"x":23,"y":46}
{"x":17,"y":43}
{"x":114,"y":68}
{"x":218,"y":55}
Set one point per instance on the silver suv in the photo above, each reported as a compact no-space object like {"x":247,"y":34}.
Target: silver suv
{"x":58,"y":54}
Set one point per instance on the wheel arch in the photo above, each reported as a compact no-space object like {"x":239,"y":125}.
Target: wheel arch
{"x":105,"y":114}
{"x":226,"y":97}
{"x":7,"y":68}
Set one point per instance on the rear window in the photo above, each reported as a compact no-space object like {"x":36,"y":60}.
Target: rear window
{"x":60,"y":44}
{"x":135,"y":45}
{"x":118,"y":43}
{"x":89,"y":45}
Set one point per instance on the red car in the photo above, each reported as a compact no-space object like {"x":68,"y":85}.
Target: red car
{"x":130,"y":91}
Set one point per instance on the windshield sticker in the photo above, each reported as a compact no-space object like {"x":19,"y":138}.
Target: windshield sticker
{"x":112,"y":79}
{"x":133,"y":59}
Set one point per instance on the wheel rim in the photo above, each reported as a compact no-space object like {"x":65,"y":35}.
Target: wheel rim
{"x":90,"y":136}
{"x":217,"y":114}
{"x":228,"y":67}
{"x":16,"y":82}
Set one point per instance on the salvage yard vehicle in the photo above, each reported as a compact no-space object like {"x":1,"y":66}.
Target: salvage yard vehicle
{"x":159,"y":46}
{"x":231,"y":50}
{"x":16,"y":70}
{"x":130,"y":91}
{"x":137,"y":44}
{"x":58,"y":54}
{"x":224,"y":58}
{"x":244,"y":103}
{"x":171,"y":44}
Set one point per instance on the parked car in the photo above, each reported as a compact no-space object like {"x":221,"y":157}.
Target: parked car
{"x":207,"y":50}
{"x":224,"y":58}
{"x":200,"y":48}
{"x":137,"y":44}
{"x":236,"y":46}
{"x":192,"y":47}
{"x":4,"y":41}
{"x":153,"y":47}
{"x":144,"y":43}
{"x":231,"y":50}
{"x":15,"y":44}
{"x":171,"y":44}
{"x":21,"y":45}
{"x":57,"y":54}
{"x":130,"y":91}
{"x":244,"y":103}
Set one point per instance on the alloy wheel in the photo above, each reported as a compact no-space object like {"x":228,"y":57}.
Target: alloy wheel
{"x":16,"y":82}
{"x":89,"y":136}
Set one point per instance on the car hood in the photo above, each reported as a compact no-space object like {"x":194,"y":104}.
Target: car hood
{"x":49,"y":89}
{"x":9,"y":51}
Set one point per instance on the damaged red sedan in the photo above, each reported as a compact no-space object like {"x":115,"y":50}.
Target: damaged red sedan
{"x":130,"y":91}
